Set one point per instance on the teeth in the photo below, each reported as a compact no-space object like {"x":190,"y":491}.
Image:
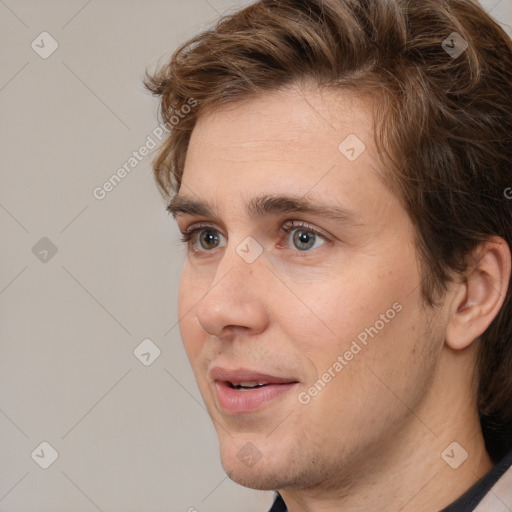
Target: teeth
{"x":247,"y":385}
{"x":251,"y":384}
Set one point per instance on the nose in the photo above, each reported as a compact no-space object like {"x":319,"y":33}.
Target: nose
{"x":234,"y":305}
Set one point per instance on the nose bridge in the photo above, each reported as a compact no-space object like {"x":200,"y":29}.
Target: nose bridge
{"x":243,"y":259}
{"x":235,"y":296}
{"x":236,"y":276}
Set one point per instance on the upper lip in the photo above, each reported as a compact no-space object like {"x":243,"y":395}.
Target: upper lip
{"x":239,"y":375}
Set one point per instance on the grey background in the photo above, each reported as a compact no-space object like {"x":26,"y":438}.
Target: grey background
{"x":130,"y":437}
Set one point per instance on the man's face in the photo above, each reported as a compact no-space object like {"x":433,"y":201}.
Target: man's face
{"x":327,"y":314}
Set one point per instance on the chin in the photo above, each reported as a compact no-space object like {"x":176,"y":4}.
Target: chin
{"x":248,"y":467}
{"x":252,"y":478}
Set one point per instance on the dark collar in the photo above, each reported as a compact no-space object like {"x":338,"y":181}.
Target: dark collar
{"x":474,"y":495}
{"x":466,"y":503}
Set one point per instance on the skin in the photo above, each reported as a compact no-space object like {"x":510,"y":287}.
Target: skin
{"x":372,"y":438}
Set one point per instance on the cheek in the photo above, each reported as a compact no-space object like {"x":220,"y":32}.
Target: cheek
{"x":385,"y":352}
{"x":189,"y":295}
{"x":361,"y":399}
{"x":368,"y":318}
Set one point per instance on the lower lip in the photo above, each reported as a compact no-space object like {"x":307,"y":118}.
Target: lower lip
{"x":234,"y":401}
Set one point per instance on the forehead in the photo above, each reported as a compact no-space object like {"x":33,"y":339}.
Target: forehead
{"x":309,"y":141}
{"x":306,"y":118}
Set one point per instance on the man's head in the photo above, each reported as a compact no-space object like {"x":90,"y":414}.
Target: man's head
{"x":389,"y":315}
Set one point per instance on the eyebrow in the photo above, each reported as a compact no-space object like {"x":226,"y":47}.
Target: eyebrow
{"x":267,"y":205}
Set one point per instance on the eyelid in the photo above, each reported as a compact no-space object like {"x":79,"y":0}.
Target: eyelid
{"x":287,"y":226}
{"x":198,"y":225}
{"x":290,"y":225}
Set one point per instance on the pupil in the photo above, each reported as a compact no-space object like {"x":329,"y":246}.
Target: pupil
{"x":208,"y":239}
{"x":304,"y":238}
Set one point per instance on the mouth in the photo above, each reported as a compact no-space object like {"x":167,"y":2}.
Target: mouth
{"x":245,"y":386}
{"x":243,"y":391}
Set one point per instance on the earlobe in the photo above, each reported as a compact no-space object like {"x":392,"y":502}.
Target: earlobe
{"x":480,"y":296}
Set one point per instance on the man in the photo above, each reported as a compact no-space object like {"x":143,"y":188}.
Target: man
{"x":340,"y":173}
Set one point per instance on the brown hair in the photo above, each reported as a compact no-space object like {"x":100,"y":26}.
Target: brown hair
{"x":443,"y":124}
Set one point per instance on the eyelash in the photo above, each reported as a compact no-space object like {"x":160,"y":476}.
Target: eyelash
{"x":286,"y":228}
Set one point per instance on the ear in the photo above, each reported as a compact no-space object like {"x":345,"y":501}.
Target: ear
{"x":479,"y":298}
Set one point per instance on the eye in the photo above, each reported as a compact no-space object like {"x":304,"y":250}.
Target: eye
{"x":202,"y":238}
{"x":303,"y":236}
{"x":205,"y":238}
